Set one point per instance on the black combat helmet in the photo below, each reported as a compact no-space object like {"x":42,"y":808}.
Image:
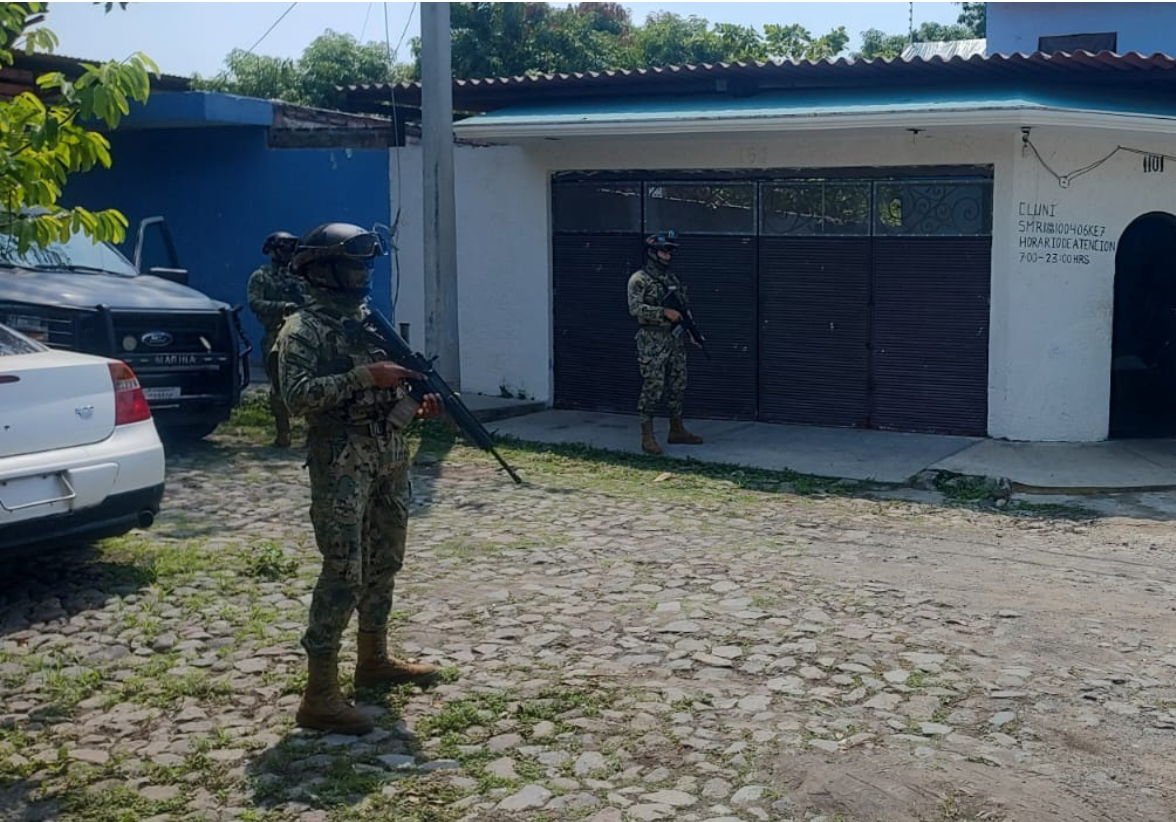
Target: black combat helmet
{"x":339,"y":257}
{"x":660,"y":242}
{"x":279,"y":241}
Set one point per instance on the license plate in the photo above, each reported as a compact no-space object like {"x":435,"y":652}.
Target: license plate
{"x":168,"y":393}
{"x":28,"y":492}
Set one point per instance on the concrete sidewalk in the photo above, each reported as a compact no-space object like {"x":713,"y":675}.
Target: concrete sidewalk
{"x":881,"y":456}
{"x":850,"y":453}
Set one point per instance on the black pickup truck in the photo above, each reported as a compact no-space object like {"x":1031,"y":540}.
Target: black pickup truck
{"x":188,"y":350}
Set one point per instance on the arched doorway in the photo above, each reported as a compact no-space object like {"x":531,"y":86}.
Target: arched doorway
{"x":1143,"y":348}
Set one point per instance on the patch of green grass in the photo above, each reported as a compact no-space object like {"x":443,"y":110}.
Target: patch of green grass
{"x":65,"y":688}
{"x":449,"y":674}
{"x":161,"y":561}
{"x":116,"y":804}
{"x":716,"y":484}
{"x":454,"y":717}
{"x":413,"y":799}
{"x":622,"y":470}
{"x":961,"y":489}
{"x":257,"y":622}
{"x":553,"y":703}
{"x":253,"y":412}
{"x":530,"y":770}
{"x":461,"y":547}
{"x":918,"y":679}
{"x":1052,"y":510}
{"x":344,"y":784}
{"x":268,"y":561}
{"x":168,"y":692}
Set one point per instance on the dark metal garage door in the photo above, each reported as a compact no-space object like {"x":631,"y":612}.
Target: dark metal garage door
{"x":595,"y":365}
{"x":826,"y":301}
{"x":595,"y":351}
{"x":929,"y":340}
{"x":814,"y":330}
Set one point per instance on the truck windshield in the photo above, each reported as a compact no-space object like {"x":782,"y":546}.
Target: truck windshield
{"x":78,"y":253}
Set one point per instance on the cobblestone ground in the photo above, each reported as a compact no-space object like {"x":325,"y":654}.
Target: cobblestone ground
{"x":620,"y":645}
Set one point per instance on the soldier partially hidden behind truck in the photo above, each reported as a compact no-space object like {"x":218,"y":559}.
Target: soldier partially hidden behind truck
{"x":661,"y":353}
{"x":274,"y":293}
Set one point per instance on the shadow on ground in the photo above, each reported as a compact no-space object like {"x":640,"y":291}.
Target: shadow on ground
{"x":34,"y":590}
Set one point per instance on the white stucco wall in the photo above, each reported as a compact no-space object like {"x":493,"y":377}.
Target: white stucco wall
{"x":1050,"y":333}
{"x":1053,"y":307}
{"x":503,"y":261}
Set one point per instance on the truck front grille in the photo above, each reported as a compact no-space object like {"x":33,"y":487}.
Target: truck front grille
{"x":55,"y":327}
{"x":168,"y":333}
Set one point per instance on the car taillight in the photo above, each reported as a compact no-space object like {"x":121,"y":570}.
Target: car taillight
{"x":129,"y":403}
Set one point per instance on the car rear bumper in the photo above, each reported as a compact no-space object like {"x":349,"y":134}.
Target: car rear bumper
{"x":115,"y":516}
{"x":82,"y":492}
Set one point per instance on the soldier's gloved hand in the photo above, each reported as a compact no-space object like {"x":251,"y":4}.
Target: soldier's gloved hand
{"x":289,"y":308}
{"x":431,"y":407}
{"x":388,"y":374}
{"x":672,"y":315}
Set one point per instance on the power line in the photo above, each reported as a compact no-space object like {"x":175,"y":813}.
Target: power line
{"x":363,"y":30}
{"x":407,"y":23}
{"x":1064,"y":180}
{"x":271,"y":28}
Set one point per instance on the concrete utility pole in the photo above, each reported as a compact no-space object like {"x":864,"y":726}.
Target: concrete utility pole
{"x":441,"y":328}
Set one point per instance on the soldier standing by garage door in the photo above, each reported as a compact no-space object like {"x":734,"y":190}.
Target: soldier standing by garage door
{"x":661,"y":354}
{"x":274,"y":293}
{"x":349,"y":392}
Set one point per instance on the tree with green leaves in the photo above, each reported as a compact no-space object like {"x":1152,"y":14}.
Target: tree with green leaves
{"x":878,"y":44}
{"x":974,"y":17}
{"x":797,"y":43}
{"x":332,"y":59}
{"x":46,"y":137}
{"x":512,"y":39}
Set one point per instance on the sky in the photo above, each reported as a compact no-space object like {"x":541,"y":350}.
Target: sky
{"x":186,"y":38}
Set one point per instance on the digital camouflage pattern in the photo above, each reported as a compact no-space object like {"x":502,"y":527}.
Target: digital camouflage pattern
{"x":661,"y":354}
{"x":358,"y":463}
{"x":274,"y":292}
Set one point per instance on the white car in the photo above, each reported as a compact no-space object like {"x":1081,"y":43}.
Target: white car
{"x":80,"y":458}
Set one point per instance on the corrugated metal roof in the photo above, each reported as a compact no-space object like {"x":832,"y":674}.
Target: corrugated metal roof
{"x":816,"y":108}
{"x":743,"y":79}
{"x":41,"y":62}
{"x":944,"y":48}
{"x":822,"y":103}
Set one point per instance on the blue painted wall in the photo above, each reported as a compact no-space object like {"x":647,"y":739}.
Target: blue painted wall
{"x":1144,"y":27}
{"x":222,"y":190}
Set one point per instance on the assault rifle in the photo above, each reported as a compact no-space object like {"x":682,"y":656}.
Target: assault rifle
{"x":676,"y":301}
{"x":378,"y":327}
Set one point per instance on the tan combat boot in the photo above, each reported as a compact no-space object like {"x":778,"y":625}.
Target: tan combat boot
{"x":648,"y":442}
{"x":375,"y":668}
{"x":323,"y":707}
{"x":680,"y":436}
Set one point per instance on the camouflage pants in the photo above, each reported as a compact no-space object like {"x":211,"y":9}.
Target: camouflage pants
{"x":359,"y":496}
{"x":277,"y":405}
{"x":661,"y":357}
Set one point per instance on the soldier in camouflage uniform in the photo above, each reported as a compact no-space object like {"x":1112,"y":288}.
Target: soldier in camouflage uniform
{"x":274,"y":293}
{"x":661,"y":354}
{"x":351,"y":395}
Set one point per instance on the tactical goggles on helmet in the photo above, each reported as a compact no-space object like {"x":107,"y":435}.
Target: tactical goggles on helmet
{"x":281,"y":242}
{"x":663,"y":242}
{"x":364,"y":247}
